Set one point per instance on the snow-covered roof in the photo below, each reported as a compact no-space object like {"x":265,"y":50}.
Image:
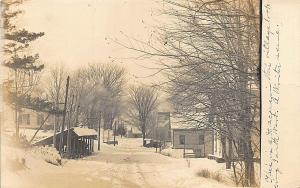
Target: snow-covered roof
{"x":84,"y":131}
{"x":180,"y":122}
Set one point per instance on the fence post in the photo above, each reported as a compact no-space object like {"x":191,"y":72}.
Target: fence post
{"x":184,"y":149}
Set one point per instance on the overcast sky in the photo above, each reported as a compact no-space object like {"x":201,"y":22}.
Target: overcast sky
{"x":76,"y":31}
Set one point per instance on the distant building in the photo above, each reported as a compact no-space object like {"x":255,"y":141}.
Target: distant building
{"x":133,"y":132}
{"x":162,"y":129}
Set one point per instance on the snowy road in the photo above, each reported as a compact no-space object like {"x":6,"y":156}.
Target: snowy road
{"x":127,"y":165}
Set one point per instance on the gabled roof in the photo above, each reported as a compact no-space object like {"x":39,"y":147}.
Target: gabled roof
{"x":180,"y":122}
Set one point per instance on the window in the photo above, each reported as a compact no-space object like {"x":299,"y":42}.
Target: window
{"x":24,"y":119}
{"x":181,"y":139}
{"x":201,"y":139}
{"x":27,"y":118}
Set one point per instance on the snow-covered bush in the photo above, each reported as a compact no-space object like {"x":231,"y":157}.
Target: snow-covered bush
{"x":167,"y":152}
{"x":208,"y":174}
{"x":204,"y":173}
{"x":217,"y":176}
{"x":49,"y":154}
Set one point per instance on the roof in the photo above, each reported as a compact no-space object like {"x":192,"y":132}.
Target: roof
{"x":179,"y":122}
{"x":80,"y":131}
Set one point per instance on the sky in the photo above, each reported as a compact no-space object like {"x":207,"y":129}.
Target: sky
{"x":79,"y":32}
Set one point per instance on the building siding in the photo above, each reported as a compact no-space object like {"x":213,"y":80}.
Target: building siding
{"x":192,"y":140}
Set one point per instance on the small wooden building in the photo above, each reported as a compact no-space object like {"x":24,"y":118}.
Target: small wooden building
{"x":81,"y":141}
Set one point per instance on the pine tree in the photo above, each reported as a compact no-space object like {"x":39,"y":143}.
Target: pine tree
{"x":23,"y":65}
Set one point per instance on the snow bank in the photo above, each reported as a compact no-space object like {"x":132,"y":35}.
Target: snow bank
{"x":175,"y":153}
{"x":27,"y":134}
{"x":19,"y":164}
{"x":49,"y":154}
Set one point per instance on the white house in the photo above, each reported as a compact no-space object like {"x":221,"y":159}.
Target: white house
{"x":186,"y":135}
{"x":27,"y":118}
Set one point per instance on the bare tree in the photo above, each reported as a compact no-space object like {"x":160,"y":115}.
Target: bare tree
{"x":210,"y":54}
{"x":143,"y":101}
{"x":99,"y":88}
{"x":56,"y":91}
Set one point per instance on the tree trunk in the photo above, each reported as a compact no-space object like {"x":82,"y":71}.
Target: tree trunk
{"x":249,"y":165}
{"x":99,"y":129}
{"x":17,"y":122}
{"x":144,"y":133}
{"x":16,"y":106}
{"x":224,"y":151}
{"x":115,"y":125}
{"x":77,"y":115}
{"x":229,"y":159}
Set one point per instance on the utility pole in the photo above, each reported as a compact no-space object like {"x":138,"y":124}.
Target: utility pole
{"x":68,"y":126}
{"x":56,"y":124}
{"x":39,"y":128}
{"x":61,"y":142}
{"x":99,"y":132}
{"x":103,"y":131}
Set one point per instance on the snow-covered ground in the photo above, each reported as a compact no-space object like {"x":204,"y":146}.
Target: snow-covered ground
{"x":29,"y":133}
{"x":126,"y":165}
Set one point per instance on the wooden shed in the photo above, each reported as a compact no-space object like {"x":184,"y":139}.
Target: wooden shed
{"x":81,"y":141}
